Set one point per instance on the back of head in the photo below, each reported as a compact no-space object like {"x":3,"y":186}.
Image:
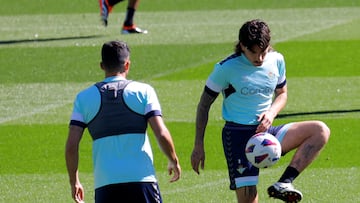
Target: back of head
{"x":114,"y":54}
{"x":254,"y":32}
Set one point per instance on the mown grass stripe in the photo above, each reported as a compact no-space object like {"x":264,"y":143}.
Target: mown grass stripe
{"x":186,"y":27}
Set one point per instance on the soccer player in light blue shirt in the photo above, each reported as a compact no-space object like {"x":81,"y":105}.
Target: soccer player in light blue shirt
{"x":255,"y":94}
{"x":252,"y":82}
{"x":116,"y":112}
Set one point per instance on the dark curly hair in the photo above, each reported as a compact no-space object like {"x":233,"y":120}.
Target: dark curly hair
{"x":253,"y":32}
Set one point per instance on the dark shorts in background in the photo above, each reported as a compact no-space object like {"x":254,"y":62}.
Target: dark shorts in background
{"x":136,"y":192}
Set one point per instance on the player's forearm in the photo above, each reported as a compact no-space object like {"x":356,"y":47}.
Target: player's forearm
{"x":167,"y":146}
{"x":279,"y":101}
{"x":202,"y":116}
{"x":72,"y":152}
{"x":278,"y":104}
{"x":72,"y":161}
{"x":72,"y":172}
{"x":163,"y":137}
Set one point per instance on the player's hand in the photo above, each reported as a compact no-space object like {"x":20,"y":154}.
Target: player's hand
{"x":78,"y":193}
{"x":198,"y":159}
{"x":175,"y":170}
{"x":266,"y":119}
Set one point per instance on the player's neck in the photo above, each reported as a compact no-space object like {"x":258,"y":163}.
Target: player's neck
{"x":123,"y":74}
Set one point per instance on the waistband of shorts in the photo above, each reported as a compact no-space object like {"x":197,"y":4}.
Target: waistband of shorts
{"x":233,"y":124}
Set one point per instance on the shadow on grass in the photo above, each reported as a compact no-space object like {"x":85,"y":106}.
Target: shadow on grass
{"x":6,"y":42}
{"x":317,"y":113}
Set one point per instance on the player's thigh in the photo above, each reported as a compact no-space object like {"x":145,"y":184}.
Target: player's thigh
{"x":234,"y":139}
{"x":298,"y":132}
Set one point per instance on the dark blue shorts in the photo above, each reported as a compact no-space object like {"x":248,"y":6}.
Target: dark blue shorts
{"x":135,"y":192}
{"x":234,"y":138}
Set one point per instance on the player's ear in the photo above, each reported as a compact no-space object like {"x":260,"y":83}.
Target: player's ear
{"x":102,"y":65}
{"x":127,"y":64}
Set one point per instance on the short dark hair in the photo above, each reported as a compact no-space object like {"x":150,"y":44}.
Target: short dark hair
{"x":114,"y":55}
{"x":253,"y":32}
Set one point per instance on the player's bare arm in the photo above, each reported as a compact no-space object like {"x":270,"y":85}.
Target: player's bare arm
{"x":72,"y":161}
{"x":266,"y":119}
{"x":202,"y":115}
{"x":167,"y":146}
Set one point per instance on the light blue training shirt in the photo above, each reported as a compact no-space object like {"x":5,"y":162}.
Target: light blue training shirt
{"x":247,"y":89}
{"x":126,"y":157}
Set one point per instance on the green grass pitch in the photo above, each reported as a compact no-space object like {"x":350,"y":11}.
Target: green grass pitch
{"x":50,"y":50}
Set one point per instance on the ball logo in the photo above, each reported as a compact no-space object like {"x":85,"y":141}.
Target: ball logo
{"x":267,"y":142}
{"x":250,"y":149}
{"x":259,"y":159}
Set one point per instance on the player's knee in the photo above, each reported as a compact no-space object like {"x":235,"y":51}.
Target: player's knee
{"x":323,"y":131}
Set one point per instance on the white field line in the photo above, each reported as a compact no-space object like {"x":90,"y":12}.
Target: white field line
{"x":178,"y":18}
{"x":172,"y":27}
{"x":176,"y":25}
{"x":23,"y":102}
{"x":33,"y":111}
{"x":213,"y":183}
{"x":314,"y":29}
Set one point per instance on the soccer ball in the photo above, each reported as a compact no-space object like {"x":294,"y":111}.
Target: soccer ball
{"x":263,"y":150}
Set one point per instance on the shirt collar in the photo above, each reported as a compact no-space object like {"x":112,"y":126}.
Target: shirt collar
{"x":114,"y":78}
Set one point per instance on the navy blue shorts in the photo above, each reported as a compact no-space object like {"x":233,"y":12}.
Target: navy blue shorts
{"x":234,"y":138}
{"x":135,"y":192}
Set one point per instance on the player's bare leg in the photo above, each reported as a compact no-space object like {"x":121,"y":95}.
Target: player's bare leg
{"x":133,"y":4}
{"x":309,"y":137}
{"x":247,"y":194}
{"x":129,"y":26}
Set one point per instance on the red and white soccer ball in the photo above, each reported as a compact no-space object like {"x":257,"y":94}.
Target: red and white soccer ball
{"x":263,"y":150}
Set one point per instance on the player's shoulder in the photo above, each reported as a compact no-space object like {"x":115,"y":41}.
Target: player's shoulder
{"x":138,"y":85}
{"x":139,"y":88}
{"x":88,"y":91}
{"x":276,"y":55}
{"x":228,"y":59}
